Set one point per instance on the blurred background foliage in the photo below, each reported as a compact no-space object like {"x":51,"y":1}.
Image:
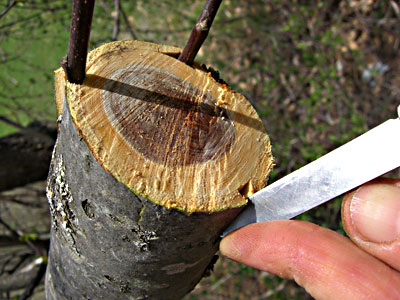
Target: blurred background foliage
{"x":318,"y":73}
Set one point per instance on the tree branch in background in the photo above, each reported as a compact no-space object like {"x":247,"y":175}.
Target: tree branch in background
{"x":128,"y":25}
{"x":8,"y":8}
{"x":12,"y":231}
{"x":12,"y":123}
{"x":34,"y":283}
{"x":116,"y":21}
{"x":74,"y":63}
{"x":200,"y":31}
{"x":25,"y":155}
{"x":17,"y":234}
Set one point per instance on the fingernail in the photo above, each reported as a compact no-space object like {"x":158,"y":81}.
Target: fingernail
{"x":228,"y":247}
{"x":375,"y":212}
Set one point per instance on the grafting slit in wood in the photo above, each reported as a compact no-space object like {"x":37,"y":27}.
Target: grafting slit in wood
{"x":200,"y":31}
{"x":74,"y":63}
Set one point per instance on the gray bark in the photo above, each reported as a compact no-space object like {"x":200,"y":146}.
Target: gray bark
{"x":108,"y":243}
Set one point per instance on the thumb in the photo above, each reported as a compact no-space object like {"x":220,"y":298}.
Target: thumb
{"x":371,"y":218}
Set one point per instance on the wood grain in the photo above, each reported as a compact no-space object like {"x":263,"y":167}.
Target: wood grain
{"x":169,"y":132}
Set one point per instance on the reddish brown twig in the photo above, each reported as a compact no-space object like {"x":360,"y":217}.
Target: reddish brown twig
{"x":200,"y":31}
{"x":74,"y":63}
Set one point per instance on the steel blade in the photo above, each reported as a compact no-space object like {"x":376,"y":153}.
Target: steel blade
{"x":368,"y":156}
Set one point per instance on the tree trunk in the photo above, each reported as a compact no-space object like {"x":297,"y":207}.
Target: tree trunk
{"x":153,"y":160}
{"x":25,"y":156}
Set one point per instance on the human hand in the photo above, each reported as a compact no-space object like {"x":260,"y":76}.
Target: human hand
{"x":325,"y":263}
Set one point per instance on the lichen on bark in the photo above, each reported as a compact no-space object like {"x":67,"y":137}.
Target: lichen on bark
{"x":59,"y":196}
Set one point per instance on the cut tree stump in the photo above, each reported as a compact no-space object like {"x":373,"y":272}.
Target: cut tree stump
{"x":153,"y":160}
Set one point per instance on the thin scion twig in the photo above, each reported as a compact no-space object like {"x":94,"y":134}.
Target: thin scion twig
{"x":200,"y":31}
{"x":74,"y":63}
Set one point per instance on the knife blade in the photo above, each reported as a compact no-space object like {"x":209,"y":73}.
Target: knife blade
{"x":366,"y":157}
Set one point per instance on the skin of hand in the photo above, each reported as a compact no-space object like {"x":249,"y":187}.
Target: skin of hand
{"x":327,"y":264}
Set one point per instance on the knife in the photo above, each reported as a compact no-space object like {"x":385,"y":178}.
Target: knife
{"x":368,"y":156}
